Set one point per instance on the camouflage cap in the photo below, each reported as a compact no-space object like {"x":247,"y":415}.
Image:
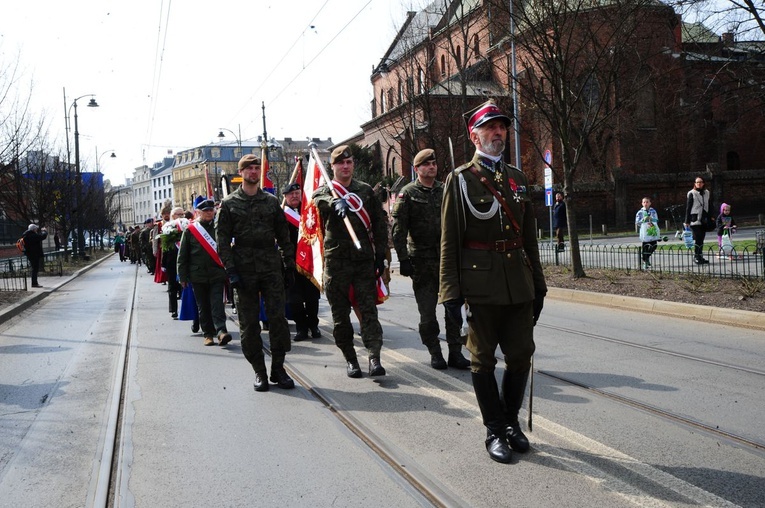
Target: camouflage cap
{"x":424,"y":156}
{"x":340,"y":153}
{"x":248,"y":159}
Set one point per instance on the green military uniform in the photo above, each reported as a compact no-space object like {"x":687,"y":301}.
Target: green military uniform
{"x":207,"y":278}
{"x":494,"y":264}
{"x":246,"y":228}
{"x":417,"y":237}
{"x":346,"y":266}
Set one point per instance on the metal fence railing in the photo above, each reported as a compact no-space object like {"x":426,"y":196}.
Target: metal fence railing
{"x":51,"y":264}
{"x":671,"y":258}
{"x":13,"y":281}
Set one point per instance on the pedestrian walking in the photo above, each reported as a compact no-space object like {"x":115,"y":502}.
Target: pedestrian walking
{"x":248,"y":224}
{"x":490,"y":261}
{"x":647,"y":220}
{"x":697,"y":208}
{"x":347,"y":268}
{"x":559,"y":219}
{"x":417,"y":240}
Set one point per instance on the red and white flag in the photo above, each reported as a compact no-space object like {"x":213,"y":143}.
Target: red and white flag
{"x":310,"y":245}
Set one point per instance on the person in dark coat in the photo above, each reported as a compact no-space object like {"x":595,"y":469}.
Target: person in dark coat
{"x":33,"y":249}
{"x":559,"y":219}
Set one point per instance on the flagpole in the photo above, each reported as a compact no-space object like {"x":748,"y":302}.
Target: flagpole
{"x":328,"y":180}
{"x":293,"y":177}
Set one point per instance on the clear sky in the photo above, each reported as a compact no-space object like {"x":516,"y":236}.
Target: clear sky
{"x":168,"y":74}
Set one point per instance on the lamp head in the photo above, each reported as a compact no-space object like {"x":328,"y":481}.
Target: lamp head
{"x":92,"y":103}
{"x":221,"y":135}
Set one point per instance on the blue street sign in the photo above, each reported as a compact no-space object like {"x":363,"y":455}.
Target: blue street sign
{"x":548,"y":197}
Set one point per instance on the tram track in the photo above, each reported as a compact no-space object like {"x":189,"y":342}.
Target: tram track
{"x":654,"y":349}
{"x":108,"y":480}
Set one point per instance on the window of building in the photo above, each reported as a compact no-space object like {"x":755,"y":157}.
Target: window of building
{"x":382,"y":101}
{"x":400,"y":93}
{"x":443,"y":66}
{"x":421,"y":82}
{"x":215,"y":152}
{"x":458,"y":58}
{"x":410,"y":87}
{"x":390,"y":96}
{"x":476,"y":46}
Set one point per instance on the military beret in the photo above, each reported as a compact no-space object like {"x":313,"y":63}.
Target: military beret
{"x":340,"y":153}
{"x":248,"y":159}
{"x":290,"y":187}
{"x":148,"y":221}
{"x":207,"y":204}
{"x":484,"y":113}
{"x":424,"y":156}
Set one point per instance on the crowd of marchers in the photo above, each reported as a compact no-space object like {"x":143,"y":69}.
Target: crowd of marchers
{"x":467,"y":244}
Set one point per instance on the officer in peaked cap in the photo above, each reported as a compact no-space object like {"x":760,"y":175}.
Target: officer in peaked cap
{"x":490,"y":261}
{"x":417,"y":240}
{"x":345,"y":266}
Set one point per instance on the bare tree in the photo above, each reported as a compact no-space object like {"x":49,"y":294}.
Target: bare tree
{"x":582,"y":67}
{"x":744,"y":18}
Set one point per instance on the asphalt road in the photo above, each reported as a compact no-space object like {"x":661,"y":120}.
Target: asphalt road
{"x":630,"y":409}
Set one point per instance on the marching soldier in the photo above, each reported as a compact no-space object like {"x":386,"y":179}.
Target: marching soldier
{"x":348,"y":269}
{"x":417,"y":240}
{"x":490,"y":260}
{"x":248,"y":223}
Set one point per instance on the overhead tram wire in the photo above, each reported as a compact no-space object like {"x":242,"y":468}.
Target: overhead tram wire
{"x":158,"y":61}
{"x":320,"y":52}
{"x":279,"y":62}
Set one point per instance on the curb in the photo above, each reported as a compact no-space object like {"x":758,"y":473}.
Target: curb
{"x":19,"y":307}
{"x":730,"y":317}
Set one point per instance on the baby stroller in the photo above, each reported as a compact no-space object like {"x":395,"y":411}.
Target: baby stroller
{"x":676,"y":212}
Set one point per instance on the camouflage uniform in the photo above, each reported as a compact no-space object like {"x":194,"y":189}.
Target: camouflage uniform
{"x":346,"y":266}
{"x":246,"y":228}
{"x":417,"y":237}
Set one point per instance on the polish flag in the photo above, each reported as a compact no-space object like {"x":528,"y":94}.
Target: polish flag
{"x":310,"y":245}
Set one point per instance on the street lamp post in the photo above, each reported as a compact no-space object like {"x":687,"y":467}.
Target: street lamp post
{"x":79,"y":245}
{"x":238,"y":138}
{"x":98,"y":157}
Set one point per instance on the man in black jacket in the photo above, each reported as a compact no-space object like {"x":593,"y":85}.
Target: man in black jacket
{"x":33,"y":249}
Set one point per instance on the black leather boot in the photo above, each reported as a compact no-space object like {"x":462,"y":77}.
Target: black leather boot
{"x":375,"y":367}
{"x":352,"y":368}
{"x":261,"y":382}
{"x":487,"y":395}
{"x":456,"y":359}
{"x":279,"y":375}
{"x":437,"y":358}
{"x":513,"y":391}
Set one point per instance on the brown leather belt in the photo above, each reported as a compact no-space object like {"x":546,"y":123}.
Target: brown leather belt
{"x":497,"y":246}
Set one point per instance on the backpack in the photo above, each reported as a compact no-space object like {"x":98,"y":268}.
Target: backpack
{"x":20,"y":245}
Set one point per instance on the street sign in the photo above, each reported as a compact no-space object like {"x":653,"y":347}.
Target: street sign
{"x":548,"y":197}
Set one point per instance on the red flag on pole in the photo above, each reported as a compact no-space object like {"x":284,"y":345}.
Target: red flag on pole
{"x":265,"y":172}
{"x":310,"y":246}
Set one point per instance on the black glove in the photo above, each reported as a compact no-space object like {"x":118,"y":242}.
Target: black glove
{"x":341,"y":207}
{"x":539,"y":302}
{"x":235,"y":280}
{"x":289,"y":278}
{"x":405,"y":267}
{"x":454,"y":310}
{"x":379,"y":265}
